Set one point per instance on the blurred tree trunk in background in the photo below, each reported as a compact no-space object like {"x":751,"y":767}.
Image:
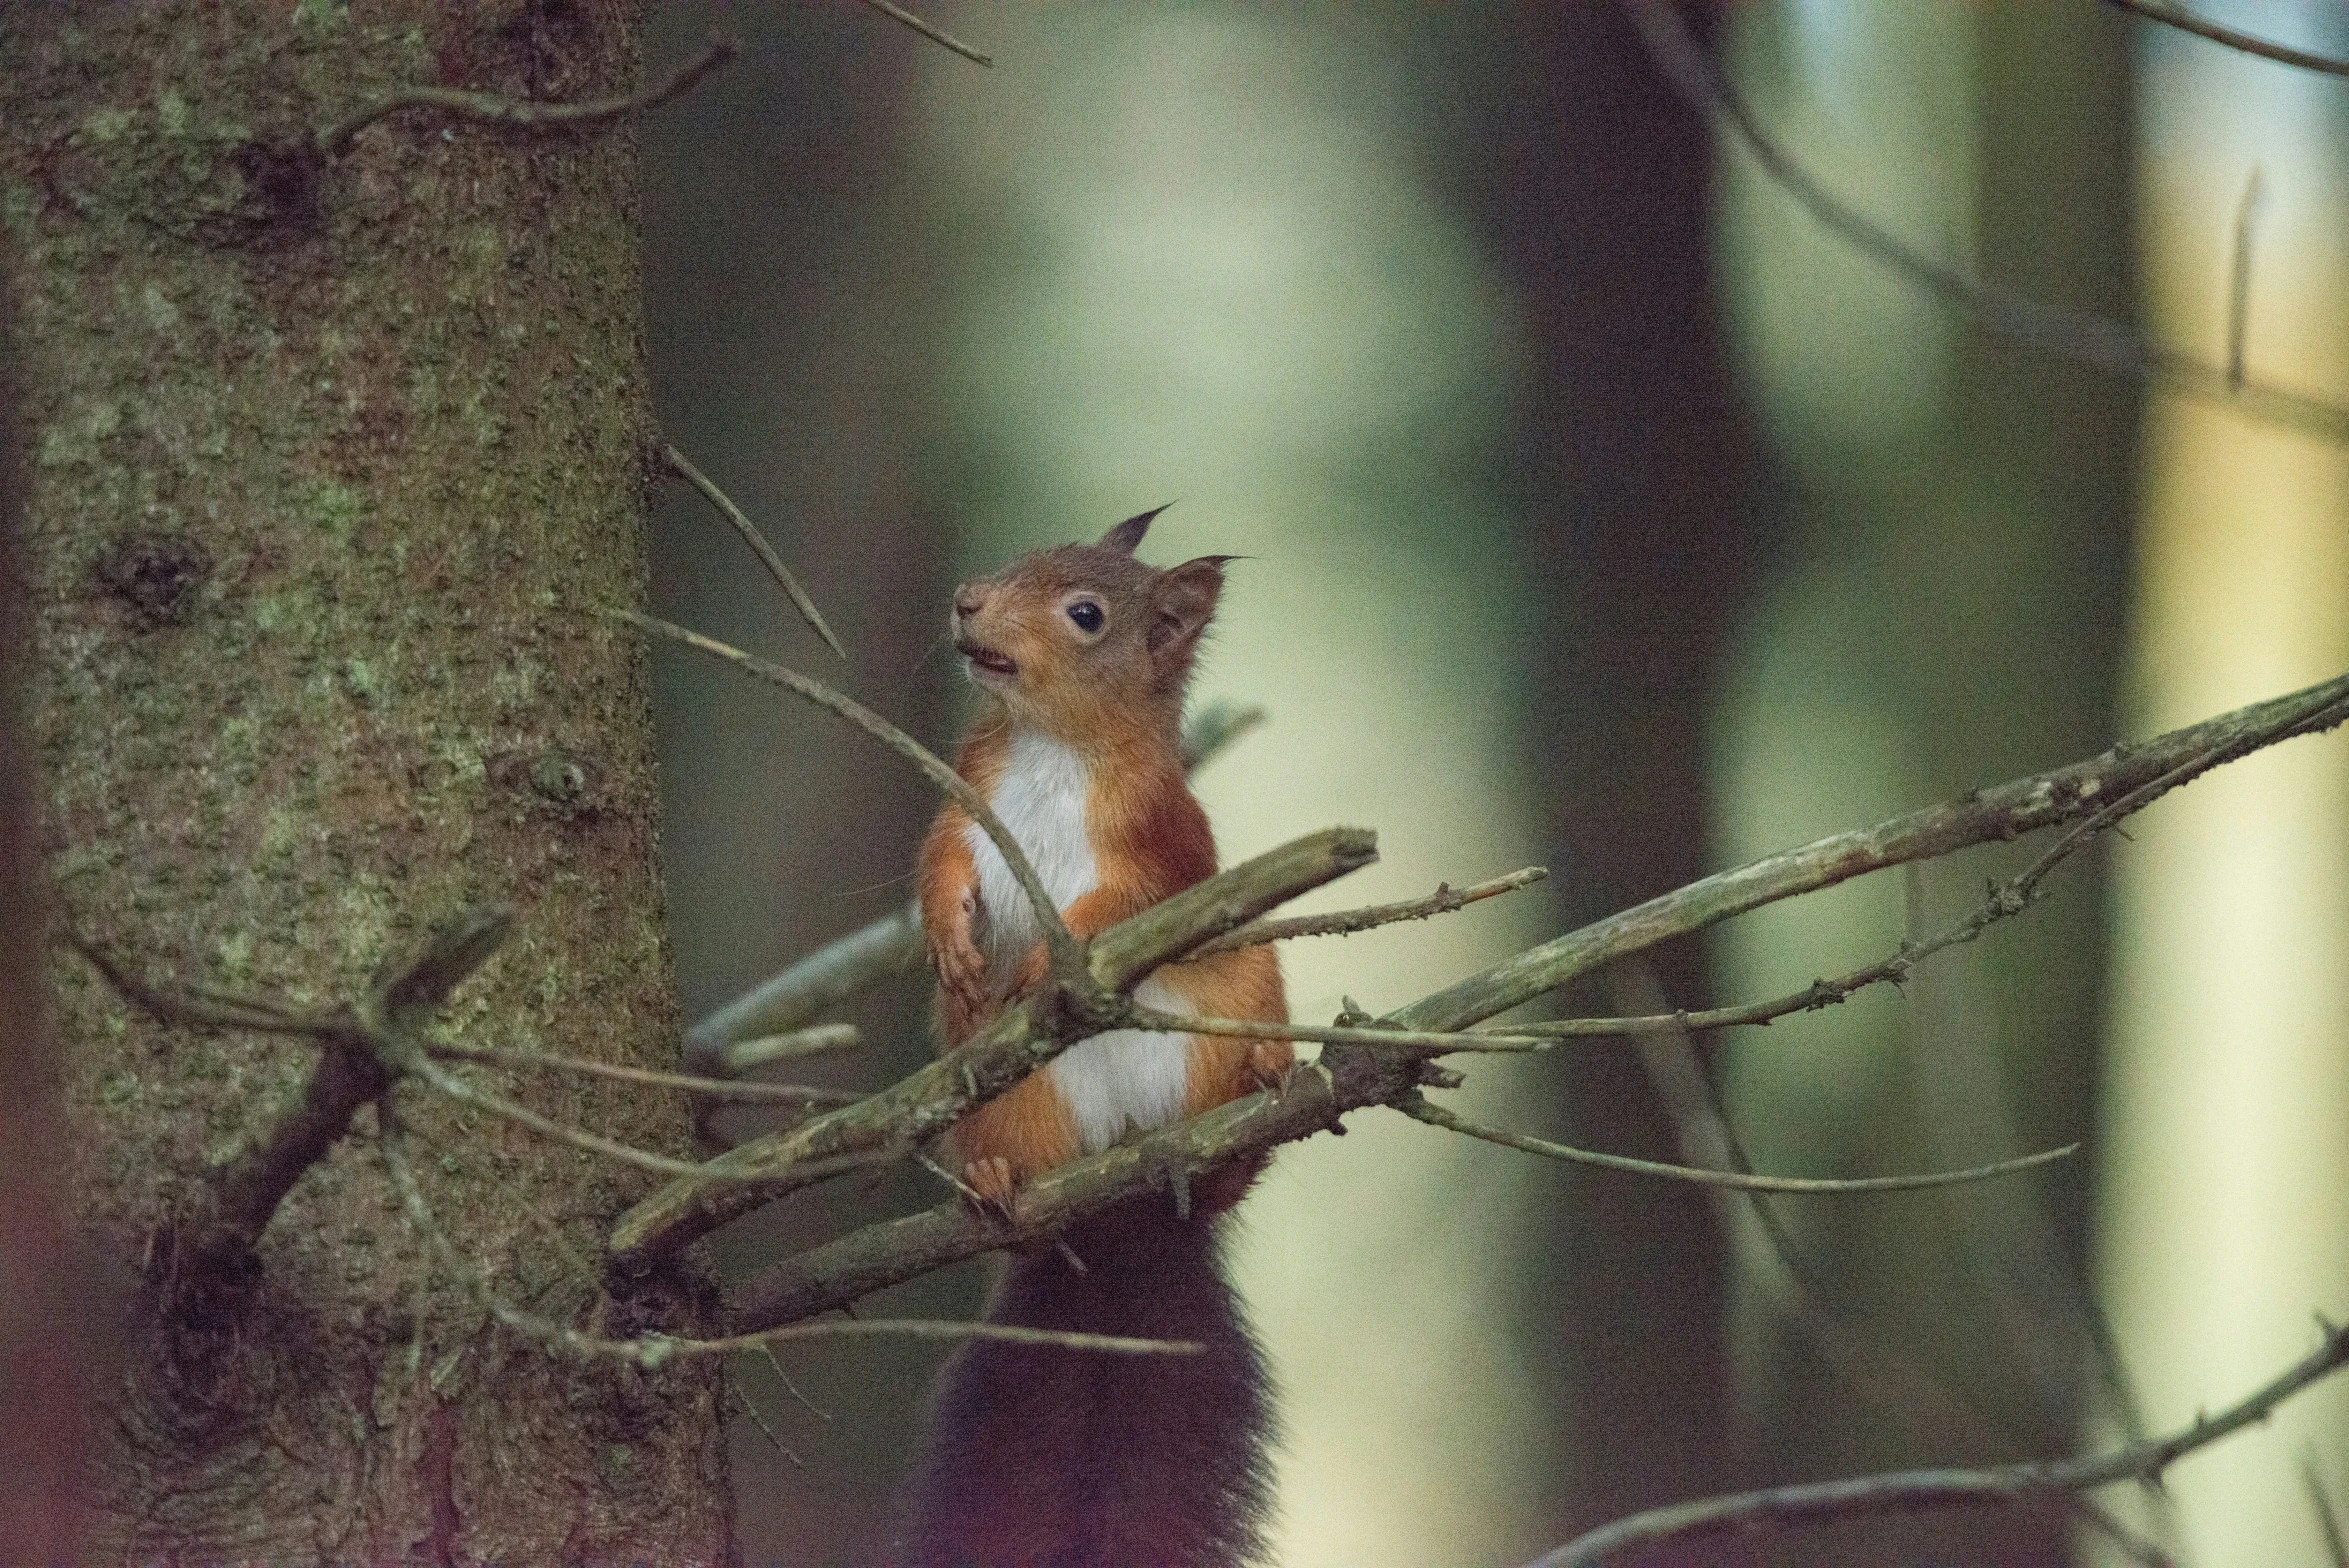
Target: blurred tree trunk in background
{"x":789,"y":302}
{"x":1643,"y":495}
{"x":1942,"y":612}
{"x":332,"y":466}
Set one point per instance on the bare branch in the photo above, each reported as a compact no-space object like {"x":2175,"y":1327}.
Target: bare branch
{"x":1348,"y":1076}
{"x":1346,"y":922}
{"x":924,"y":1103}
{"x":2072,"y":334}
{"x":547,"y":1127}
{"x":1376,"y":1036}
{"x":847,"y":967}
{"x":1068,"y":958}
{"x":2128,"y":776}
{"x":2243,"y":42}
{"x":930,"y":31}
{"x":654,"y":1351}
{"x":1418,"y":1108}
{"x":1920,"y":1491}
{"x":680,"y":466}
{"x":215,"y":1012}
{"x":525,"y":114}
{"x":238,"y":1197}
{"x":712,"y":1088}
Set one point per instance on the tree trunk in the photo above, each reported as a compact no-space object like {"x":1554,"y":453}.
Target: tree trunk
{"x":334,"y":460}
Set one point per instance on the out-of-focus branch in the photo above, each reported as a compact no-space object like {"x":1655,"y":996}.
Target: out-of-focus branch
{"x":847,"y":967}
{"x":2072,"y":334}
{"x":924,"y":1103}
{"x":524,"y":114}
{"x":2242,"y":42}
{"x":1920,"y":1491}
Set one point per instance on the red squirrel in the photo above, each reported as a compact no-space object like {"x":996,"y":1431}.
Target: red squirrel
{"x":1043,"y":1456}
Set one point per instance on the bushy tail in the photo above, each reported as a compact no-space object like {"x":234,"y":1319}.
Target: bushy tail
{"x":1048,"y":1457}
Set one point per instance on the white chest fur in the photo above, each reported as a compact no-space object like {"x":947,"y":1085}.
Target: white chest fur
{"x":1128,"y":1077}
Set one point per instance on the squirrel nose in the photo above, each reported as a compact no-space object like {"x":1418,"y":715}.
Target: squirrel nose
{"x":969,"y":599}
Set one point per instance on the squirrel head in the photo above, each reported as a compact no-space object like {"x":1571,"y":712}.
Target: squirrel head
{"x":1085,"y":640}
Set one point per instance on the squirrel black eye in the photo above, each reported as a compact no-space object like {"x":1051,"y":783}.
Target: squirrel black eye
{"x":1087,"y":616}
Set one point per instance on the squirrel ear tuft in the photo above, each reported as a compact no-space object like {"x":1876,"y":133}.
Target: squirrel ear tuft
{"x":1129,"y":533}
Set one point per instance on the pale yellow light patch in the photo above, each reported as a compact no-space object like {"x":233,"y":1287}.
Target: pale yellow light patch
{"x":2225,"y":1221}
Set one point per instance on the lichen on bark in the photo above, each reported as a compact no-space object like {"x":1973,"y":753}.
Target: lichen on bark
{"x":331,"y":465}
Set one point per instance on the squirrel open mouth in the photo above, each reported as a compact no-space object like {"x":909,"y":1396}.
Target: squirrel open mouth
{"x":986,"y":658}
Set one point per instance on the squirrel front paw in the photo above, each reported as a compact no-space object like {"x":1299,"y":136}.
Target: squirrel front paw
{"x":991,"y":1179}
{"x":1270,"y":1062}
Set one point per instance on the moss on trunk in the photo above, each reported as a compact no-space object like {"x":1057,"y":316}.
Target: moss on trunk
{"x":331,"y":466}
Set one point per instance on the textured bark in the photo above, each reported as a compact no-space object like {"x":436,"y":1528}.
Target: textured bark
{"x":331,"y":466}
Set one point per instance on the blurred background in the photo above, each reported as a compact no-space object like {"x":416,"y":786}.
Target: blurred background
{"x":1603,"y":511}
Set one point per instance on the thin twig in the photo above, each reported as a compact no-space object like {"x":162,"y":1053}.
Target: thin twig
{"x":2327,"y":1520}
{"x":934,"y":33}
{"x":1418,"y":1108}
{"x":464,"y":1093}
{"x":1346,"y":922}
{"x":2239,"y":281}
{"x":653,"y":1351}
{"x":1068,"y":958}
{"x":684,"y":469}
{"x":2073,"y":334}
{"x":2242,"y":42}
{"x":710,"y":1088}
{"x":525,"y":114}
{"x":750,"y":1408}
{"x":1920,"y":1491}
{"x":790,"y":1387}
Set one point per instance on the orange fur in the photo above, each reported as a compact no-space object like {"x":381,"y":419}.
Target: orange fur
{"x":1147,"y":834}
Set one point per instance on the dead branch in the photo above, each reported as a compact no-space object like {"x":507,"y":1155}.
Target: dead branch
{"x":1921,"y":1491}
{"x":524,"y":114}
{"x":893,"y":1122}
{"x":2071,"y":334}
{"x":2093,"y":795}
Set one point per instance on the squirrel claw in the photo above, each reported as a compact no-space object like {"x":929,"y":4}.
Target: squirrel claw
{"x":992,"y":1181}
{"x":1270,"y":1062}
